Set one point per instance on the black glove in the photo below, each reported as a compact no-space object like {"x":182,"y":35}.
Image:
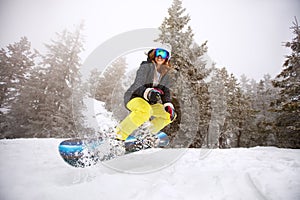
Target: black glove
{"x":170,"y":109}
{"x":153,"y":95}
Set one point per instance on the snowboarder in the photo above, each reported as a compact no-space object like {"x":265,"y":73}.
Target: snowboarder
{"x":149,"y":98}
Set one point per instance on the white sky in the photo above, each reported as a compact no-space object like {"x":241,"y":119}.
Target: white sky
{"x":245,"y":36}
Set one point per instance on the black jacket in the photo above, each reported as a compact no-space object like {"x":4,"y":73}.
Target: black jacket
{"x":144,"y":79}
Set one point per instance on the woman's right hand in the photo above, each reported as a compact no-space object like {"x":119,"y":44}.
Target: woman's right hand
{"x":153,"y":94}
{"x":169,"y":108}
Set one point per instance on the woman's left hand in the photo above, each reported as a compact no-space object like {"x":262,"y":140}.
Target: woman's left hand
{"x":170,"y":109}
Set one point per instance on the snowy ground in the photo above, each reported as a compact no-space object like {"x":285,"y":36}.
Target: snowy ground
{"x":33,"y":169}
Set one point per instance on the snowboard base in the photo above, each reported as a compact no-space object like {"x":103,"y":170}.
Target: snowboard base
{"x":88,"y":152}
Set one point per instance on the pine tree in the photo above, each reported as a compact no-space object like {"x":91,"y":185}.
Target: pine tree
{"x":244,"y":84}
{"x":110,"y":82}
{"x":92,"y":84}
{"x":217,"y":135}
{"x":239,"y":112}
{"x":190,"y":91}
{"x":260,"y":129}
{"x":15,"y":62}
{"x":264,"y":122}
{"x":288,"y":104}
{"x":26,"y":110}
{"x":51,"y":102}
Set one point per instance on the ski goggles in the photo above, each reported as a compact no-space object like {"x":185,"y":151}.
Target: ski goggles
{"x":162,"y":53}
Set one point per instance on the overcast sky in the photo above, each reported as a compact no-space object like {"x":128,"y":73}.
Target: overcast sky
{"x":245,"y":36}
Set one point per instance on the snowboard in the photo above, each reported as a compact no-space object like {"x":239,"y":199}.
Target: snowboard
{"x":88,"y":152}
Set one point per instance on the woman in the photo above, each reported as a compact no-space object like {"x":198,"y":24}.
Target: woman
{"x":149,"y":96}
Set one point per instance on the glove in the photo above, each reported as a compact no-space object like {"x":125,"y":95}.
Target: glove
{"x":153,"y":95}
{"x":169,"y":108}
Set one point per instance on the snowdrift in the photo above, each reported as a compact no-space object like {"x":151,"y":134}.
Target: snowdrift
{"x":32,"y":169}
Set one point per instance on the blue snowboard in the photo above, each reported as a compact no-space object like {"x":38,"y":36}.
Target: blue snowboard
{"x":83,"y":152}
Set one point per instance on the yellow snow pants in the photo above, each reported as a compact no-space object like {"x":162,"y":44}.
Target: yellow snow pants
{"x":141,"y":111}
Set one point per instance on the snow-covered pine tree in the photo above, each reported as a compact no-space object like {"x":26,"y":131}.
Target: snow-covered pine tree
{"x":264,"y":117}
{"x":92,"y":82}
{"x":190,"y":92}
{"x":239,"y":112}
{"x":109,"y":82}
{"x":26,"y":110}
{"x":16,"y":61}
{"x":217,"y":135}
{"x":288,"y":103}
{"x":244,"y":83}
{"x":60,"y":101}
{"x":116,"y":104}
{"x":248,"y":89}
{"x":119,"y":110}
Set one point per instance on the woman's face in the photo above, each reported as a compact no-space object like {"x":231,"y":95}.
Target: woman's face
{"x":159,"y":60}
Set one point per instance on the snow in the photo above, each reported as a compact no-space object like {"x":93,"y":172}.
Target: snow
{"x":33,"y":169}
{"x":95,"y":114}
